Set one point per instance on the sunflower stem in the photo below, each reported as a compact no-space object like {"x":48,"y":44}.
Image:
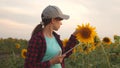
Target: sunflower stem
{"x":108,"y":62}
{"x":83,"y":61}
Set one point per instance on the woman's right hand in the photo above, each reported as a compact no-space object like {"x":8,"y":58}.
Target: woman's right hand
{"x":57,"y":59}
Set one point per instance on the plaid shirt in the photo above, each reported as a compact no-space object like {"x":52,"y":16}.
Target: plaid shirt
{"x":37,"y":47}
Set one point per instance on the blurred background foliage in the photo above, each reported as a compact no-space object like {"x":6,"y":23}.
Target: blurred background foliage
{"x":83,"y":56}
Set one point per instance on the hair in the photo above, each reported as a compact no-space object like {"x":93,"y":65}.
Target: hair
{"x":45,"y":21}
{"x":39,"y":27}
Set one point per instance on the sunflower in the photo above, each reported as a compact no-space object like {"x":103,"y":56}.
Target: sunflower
{"x":97,"y":41}
{"x":64,"y":42}
{"x":86,"y":33}
{"x":80,"y":49}
{"x":115,"y":37}
{"x":17,"y":46}
{"x":23,"y":53}
{"x":106,"y":40}
{"x":87,"y":50}
{"x":93,"y":47}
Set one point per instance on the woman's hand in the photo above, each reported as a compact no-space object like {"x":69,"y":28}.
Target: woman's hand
{"x":75,"y":32}
{"x":57,"y":59}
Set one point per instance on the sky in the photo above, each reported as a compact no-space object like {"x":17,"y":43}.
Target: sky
{"x":18,"y":18}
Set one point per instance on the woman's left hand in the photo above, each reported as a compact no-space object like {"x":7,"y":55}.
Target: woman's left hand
{"x":75,"y":32}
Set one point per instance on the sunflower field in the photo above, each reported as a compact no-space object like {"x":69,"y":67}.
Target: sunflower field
{"x":12,"y":52}
{"x":91,"y":51}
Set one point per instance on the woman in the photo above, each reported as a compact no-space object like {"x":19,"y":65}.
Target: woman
{"x":45,"y":48}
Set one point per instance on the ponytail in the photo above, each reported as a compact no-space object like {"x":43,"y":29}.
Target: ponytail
{"x":37,"y":29}
{"x":44,"y":22}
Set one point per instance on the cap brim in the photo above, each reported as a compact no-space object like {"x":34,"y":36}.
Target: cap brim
{"x":63,"y":16}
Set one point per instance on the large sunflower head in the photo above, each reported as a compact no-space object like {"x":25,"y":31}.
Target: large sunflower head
{"x":86,"y":33}
{"x":23,"y":53}
{"x":106,"y":40}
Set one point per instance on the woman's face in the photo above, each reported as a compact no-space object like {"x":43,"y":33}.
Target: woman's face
{"x":57,"y":22}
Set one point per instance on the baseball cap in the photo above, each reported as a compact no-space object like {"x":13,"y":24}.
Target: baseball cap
{"x":53,"y":12}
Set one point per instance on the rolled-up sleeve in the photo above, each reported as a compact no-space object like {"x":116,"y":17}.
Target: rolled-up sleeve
{"x":70,"y":44}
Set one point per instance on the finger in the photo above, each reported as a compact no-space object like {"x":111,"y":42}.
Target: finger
{"x":64,"y":55}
